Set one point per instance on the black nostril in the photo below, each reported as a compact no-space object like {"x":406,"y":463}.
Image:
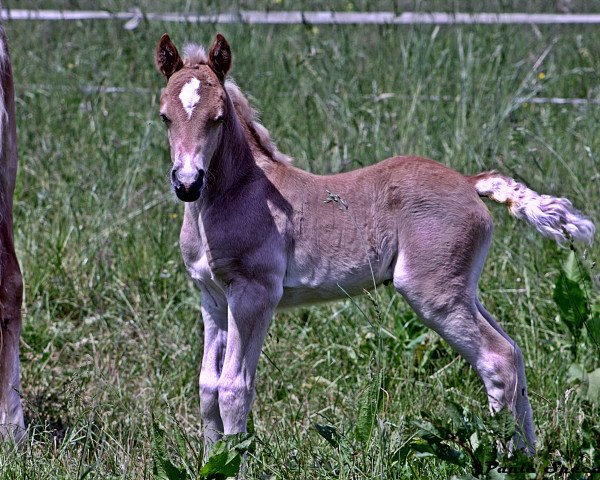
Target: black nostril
{"x":200,"y":177}
{"x":174,"y":180}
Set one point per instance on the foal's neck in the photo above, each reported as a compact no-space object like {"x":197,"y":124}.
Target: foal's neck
{"x":233,"y":163}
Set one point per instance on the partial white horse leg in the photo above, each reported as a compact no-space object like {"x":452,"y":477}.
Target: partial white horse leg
{"x":11,"y":283}
{"x":520,"y":406}
{"x":251,"y":307}
{"x":214,"y":318}
{"x":439,"y":280}
{"x":12,"y":425}
{"x":496,"y":359}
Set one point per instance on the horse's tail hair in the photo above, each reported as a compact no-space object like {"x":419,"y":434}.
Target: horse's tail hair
{"x":553,"y":217}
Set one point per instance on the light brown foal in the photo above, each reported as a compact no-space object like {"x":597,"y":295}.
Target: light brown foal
{"x":258,"y":235}
{"x":11,"y":284}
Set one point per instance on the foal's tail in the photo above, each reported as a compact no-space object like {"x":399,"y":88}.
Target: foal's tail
{"x":552,"y":216}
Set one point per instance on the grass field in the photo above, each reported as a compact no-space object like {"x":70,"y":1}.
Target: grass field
{"x":111,"y":329}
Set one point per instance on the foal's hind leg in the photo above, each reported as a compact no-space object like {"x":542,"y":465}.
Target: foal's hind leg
{"x":494,"y":356}
{"x":439,"y":280}
{"x":520,"y":401}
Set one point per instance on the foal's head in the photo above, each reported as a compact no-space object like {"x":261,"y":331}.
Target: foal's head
{"x":193,"y":106}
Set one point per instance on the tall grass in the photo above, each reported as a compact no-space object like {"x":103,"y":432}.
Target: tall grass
{"x":112,"y":331}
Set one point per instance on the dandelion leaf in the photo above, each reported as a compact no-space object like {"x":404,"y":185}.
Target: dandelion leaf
{"x":224,"y":462}
{"x":163,"y":467}
{"x":569,"y":296}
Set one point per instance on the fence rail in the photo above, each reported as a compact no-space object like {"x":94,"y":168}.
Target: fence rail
{"x":309,"y":17}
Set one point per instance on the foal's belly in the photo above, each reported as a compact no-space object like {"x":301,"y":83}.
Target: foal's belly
{"x":298,"y":296}
{"x":306,"y":290}
{"x":302,"y":285}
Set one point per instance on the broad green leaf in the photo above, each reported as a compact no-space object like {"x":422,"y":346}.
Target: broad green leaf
{"x":485,"y":453}
{"x":569,"y":296}
{"x":459,"y":422}
{"x":224,"y":462}
{"x":590,"y":382}
{"x":423,"y":446}
{"x":503,"y":424}
{"x":439,"y":450}
{"x":163,"y":467}
{"x":171,"y":472}
{"x":221,"y":466}
{"x":329,"y":433}
{"x":240,"y":442}
{"x":433,"y":426}
{"x":428,"y":430}
{"x":573,"y":270}
{"x":593,"y":325}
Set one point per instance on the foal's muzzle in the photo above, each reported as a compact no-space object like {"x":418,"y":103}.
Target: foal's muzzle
{"x":187,"y":187}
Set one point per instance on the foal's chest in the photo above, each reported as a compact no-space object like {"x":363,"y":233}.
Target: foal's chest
{"x":211,"y":257}
{"x":193,"y":248}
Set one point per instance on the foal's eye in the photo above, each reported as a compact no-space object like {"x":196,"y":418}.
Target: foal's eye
{"x":219,"y":118}
{"x":166,"y":120}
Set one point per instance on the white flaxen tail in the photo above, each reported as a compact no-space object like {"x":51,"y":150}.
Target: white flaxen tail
{"x":552,"y":216}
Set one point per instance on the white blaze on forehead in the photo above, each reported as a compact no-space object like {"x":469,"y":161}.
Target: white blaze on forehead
{"x":189,"y":96}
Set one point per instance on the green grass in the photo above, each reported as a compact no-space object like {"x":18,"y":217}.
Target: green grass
{"x":111,"y":329}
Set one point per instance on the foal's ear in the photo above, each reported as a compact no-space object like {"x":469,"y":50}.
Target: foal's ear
{"x":168,"y":60}
{"x":219,"y":57}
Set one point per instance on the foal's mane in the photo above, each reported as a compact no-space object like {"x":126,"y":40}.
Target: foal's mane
{"x":195,"y":55}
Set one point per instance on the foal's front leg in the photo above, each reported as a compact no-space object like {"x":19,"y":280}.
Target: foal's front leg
{"x":214,"y":317}
{"x":251,"y":307}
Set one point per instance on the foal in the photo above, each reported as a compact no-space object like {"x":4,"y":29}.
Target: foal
{"x":257,"y":235}
{"x":11,"y":284}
